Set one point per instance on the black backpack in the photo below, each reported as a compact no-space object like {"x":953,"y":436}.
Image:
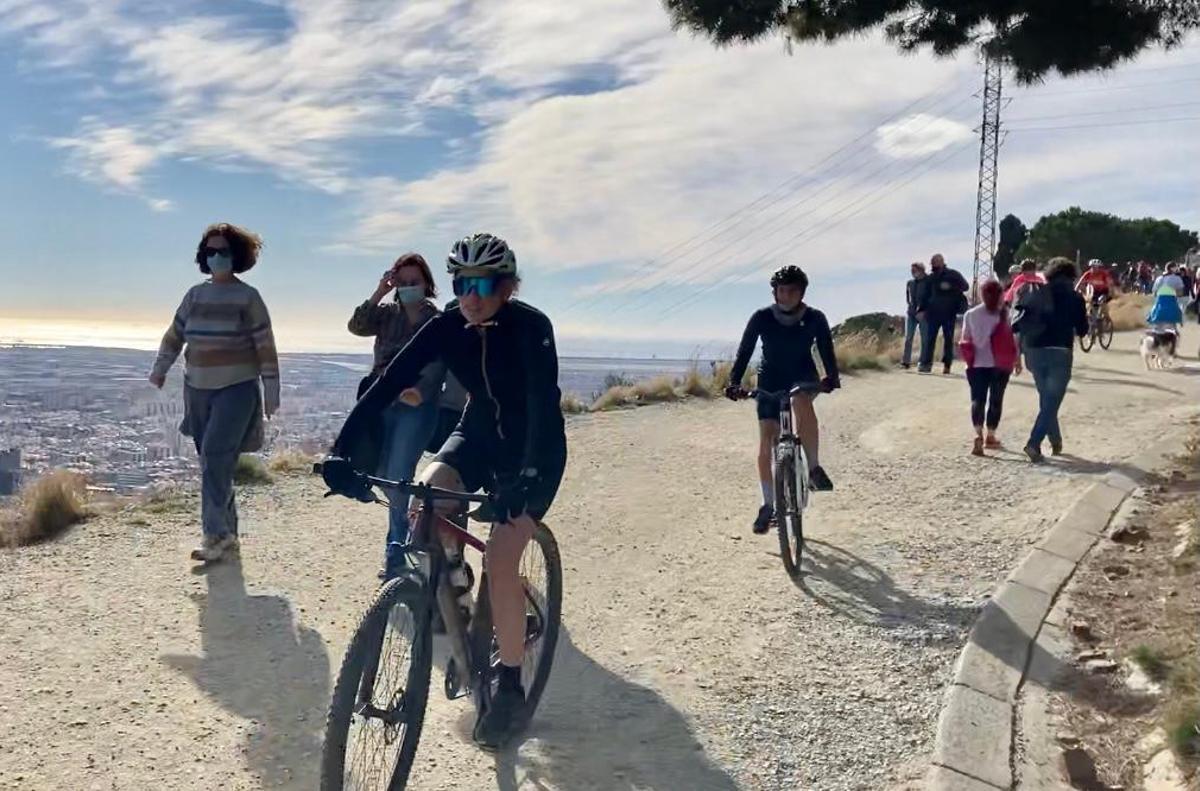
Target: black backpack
{"x":1031,"y":310}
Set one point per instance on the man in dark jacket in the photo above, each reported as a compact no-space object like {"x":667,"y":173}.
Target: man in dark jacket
{"x":1049,"y":321}
{"x":943,"y":298}
{"x":912,"y":294}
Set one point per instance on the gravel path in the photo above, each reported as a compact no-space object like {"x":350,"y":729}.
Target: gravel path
{"x":688,"y":659}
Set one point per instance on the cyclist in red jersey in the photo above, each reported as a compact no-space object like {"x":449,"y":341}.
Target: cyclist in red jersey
{"x":1101,"y":282}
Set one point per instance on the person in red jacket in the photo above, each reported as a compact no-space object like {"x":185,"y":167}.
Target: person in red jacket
{"x":990,"y":351}
{"x":1028,"y":275}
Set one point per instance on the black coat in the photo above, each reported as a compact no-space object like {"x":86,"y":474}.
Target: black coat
{"x":944,"y":294}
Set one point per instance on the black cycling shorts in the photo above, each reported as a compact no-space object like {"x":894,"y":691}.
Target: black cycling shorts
{"x":768,"y":408}
{"x":474,"y":465}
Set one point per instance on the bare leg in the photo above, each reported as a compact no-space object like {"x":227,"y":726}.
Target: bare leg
{"x":807,"y":428}
{"x":505,"y":547}
{"x":768,"y":435}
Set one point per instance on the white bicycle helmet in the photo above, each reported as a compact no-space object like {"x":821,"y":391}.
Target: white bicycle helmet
{"x":482,"y":253}
{"x":1095,"y":262}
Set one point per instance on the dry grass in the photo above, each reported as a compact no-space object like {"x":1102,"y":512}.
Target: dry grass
{"x":291,"y":461}
{"x":251,"y":471}
{"x":695,"y":385}
{"x":1128,"y":311}
{"x":868,"y":351}
{"x":46,"y":508}
{"x":1182,"y":717}
{"x":573,"y":405}
{"x":167,"y":501}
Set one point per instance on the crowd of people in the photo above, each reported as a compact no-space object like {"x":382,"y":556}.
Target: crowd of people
{"x":1029,"y":320}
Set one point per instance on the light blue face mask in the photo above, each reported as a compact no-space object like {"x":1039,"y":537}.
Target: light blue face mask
{"x":408,"y":295}
{"x":220,"y":264}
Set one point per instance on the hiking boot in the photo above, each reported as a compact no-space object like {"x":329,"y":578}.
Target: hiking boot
{"x":1056,"y":448}
{"x":213,"y":548}
{"x":762,"y":523}
{"x":1034,"y":454}
{"x":819,"y":481}
{"x":977,"y":449}
{"x":496,"y":725}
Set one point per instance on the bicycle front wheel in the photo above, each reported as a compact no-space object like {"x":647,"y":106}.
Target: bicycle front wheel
{"x":1087,"y":340}
{"x":378,"y":705}
{"x":788,"y":513}
{"x":1106,"y":333}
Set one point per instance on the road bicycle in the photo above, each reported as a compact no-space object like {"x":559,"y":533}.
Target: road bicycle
{"x":378,"y":706}
{"x":1100,"y":326}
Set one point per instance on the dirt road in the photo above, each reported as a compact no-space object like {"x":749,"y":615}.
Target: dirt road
{"x":688,"y":659}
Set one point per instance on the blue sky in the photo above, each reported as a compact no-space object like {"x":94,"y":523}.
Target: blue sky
{"x":609,"y":150}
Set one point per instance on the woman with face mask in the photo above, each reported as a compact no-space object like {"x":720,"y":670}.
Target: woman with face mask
{"x":230,"y":347}
{"x":409,"y":422}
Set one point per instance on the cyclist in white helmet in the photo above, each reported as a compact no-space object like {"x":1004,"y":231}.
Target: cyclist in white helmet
{"x":510,"y":442}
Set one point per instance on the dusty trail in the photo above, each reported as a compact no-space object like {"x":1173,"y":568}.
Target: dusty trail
{"x":688,"y":659}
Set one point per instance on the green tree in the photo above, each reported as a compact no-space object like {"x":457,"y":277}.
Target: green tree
{"x":1012,"y":236}
{"x":1107,"y":237}
{"x":1035,"y":36}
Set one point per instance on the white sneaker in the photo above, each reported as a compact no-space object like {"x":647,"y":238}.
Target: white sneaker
{"x":211,"y":549}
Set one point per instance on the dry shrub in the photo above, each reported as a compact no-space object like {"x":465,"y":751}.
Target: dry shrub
{"x":720,"y":377}
{"x":613,"y":398}
{"x":1128,"y":311}
{"x":656,"y":390}
{"x":1182,"y":718}
{"x":46,"y":507}
{"x":291,"y":461}
{"x":866,"y":351}
{"x":694,"y":384}
{"x":572,"y":405}
{"x":251,"y":471}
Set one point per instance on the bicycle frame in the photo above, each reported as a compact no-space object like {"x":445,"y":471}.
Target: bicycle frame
{"x":787,"y":436}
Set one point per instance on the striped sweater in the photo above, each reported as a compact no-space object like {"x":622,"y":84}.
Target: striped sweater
{"x":227,"y":333}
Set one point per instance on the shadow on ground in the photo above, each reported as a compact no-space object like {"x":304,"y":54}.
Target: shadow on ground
{"x":260,"y":664}
{"x":597,"y":730}
{"x":855,"y":588}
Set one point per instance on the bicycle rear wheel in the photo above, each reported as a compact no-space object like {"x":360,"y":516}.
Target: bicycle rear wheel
{"x":540,"y":570}
{"x":788,"y":514}
{"x":378,"y":706}
{"x":1106,"y":333}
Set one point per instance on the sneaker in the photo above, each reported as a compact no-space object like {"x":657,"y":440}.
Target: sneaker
{"x":906,"y":366}
{"x":762,"y":523}
{"x":496,"y":725}
{"x":1056,"y":448}
{"x":1034,"y":454}
{"x":993,"y":443}
{"x":213,"y":548}
{"x":819,"y":480}
{"x":977,"y":449}
{"x":924,"y":369}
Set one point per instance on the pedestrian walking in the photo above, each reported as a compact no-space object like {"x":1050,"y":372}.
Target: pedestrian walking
{"x":1048,"y":321}
{"x":943,"y":298}
{"x":989,"y":349}
{"x":224,"y":331}
{"x":1028,"y":276}
{"x":912,"y":294}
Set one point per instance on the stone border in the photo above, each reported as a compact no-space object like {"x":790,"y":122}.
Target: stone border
{"x":973,"y":749}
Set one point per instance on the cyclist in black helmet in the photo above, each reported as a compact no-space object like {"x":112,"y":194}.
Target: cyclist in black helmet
{"x":789,"y":330}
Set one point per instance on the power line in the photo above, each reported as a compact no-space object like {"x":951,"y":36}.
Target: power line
{"x":1114,"y":123}
{"x":1105,"y":112}
{"x":645,"y":297}
{"x":789,"y":186}
{"x":818,"y":229}
{"x":1104,"y":89}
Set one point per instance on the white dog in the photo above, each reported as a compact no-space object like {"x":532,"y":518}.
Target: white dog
{"x":1158,"y":348}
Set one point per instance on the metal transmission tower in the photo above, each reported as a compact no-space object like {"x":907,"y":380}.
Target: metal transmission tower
{"x":989,"y":151}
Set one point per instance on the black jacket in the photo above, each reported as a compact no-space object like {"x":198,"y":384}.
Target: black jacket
{"x":943,"y":293}
{"x":509,"y":366}
{"x":787,"y":355}
{"x":1066,"y":321}
{"x":914,"y":290}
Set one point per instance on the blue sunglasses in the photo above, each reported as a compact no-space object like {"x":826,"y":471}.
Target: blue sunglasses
{"x":484,"y":286}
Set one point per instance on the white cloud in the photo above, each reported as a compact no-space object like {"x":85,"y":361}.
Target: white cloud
{"x":920,"y":134}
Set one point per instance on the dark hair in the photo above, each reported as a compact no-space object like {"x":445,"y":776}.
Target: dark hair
{"x":1061,"y":267}
{"x":418,"y":260}
{"x":1029,"y":265}
{"x":244,"y":246}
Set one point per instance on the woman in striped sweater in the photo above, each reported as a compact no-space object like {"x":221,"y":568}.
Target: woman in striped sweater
{"x":224,"y":331}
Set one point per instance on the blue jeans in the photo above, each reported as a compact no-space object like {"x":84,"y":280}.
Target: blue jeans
{"x":219,"y":422}
{"x":407,"y":430}
{"x":911,"y":328}
{"x":1051,"y":369}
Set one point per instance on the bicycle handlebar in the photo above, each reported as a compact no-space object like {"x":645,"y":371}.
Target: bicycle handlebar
{"x":422,"y":491}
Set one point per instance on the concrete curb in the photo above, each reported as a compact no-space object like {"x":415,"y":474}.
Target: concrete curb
{"x":973,"y":749}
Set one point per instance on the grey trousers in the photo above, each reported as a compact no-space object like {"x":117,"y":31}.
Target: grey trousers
{"x":220,"y":420}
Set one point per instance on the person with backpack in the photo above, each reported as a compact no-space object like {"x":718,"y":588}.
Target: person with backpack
{"x":1025,"y":278}
{"x":989,"y":349}
{"x":1049,"y":318}
{"x":943,"y":298}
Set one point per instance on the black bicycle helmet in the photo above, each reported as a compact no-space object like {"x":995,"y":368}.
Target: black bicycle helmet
{"x":790,"y":275}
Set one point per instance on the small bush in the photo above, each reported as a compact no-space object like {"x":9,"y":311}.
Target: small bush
{"x":656,"y":390}
{"x":291,"y":461}
{"x":572,"y":405}
{"x":47,"y":507}
{"x":166,"y":501}
{"x":1182,"y":718}
{"x":250,"y":471}
{"x":613,"y":398}
{"x":694,"y":384}
{"x":1128,"y":311}
{"x":613,"y":379}
{"x":867,"y":351}
{"x":721,"y":372}
{"x":1152,"y":662}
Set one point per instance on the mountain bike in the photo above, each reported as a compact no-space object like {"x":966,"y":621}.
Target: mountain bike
{"x":378,"y":706}
{"x":791,"y":477}
{"x":1100,"y":326}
